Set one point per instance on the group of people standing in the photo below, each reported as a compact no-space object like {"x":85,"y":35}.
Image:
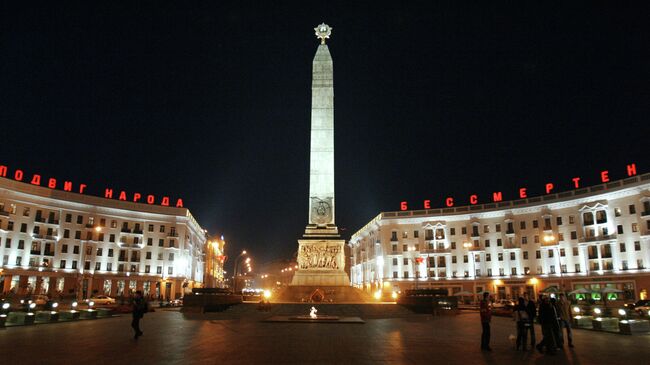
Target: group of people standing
{"x":552,"y":314}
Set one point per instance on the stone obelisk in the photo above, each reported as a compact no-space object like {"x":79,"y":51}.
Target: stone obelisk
{"x":321,"y":257}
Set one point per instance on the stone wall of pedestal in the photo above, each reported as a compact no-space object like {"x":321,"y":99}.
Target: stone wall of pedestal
{"x":321,"y":262}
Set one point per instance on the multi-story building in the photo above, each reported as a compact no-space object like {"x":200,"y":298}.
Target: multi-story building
{"x":214,"y":259}
{"x":67,"y":244}
{"x":592,"y":238}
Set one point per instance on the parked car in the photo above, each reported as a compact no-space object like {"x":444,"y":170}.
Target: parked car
{"x":178,"y":302}
{"x":642,"y":307}
{"x":101,"y":300}
{"x":503,"y":304}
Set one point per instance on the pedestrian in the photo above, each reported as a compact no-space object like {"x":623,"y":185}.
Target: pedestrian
{"x":548,"y":320}
{"x":140,"y":307}
{"x":531,"y":309}
{"x":486,"y":316}
{"x":565,"y":318}
{"x":521,"y":318}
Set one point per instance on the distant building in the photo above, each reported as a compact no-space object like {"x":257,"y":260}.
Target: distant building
{"x":593,"y":238}
{"x":214,"y":259}
{"x":62,"y":243}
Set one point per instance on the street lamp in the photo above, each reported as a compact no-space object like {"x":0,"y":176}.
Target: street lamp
{"x":468,"y":246}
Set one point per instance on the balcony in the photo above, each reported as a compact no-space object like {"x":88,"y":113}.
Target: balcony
{"x":50,"y":237}
{"x":608,"y":237}
{"x":511,"y":246}
{"x":510,"y":231}
{"x":125,"y":230}
{"x":37,"y":235}
{"x":48,"y":253}
{"x":2,"y":212}
{"x":35,"y":252}
{"x":436,"y":250}
{"x":52,"y":221}
{"x":39,"y":219}
{"x":137,"y":231}
{"x":90,"y":225}
{"x":645,"y":213}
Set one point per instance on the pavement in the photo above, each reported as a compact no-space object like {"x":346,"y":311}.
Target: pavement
{"x":239,"y":337}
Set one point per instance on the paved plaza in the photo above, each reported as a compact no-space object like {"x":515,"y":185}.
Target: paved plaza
{"x":173,"y":338}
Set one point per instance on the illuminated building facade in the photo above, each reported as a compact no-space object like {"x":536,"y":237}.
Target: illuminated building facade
{"x":72,"y":245}
{"x":215,"y":257}
{"x":593,"y":238}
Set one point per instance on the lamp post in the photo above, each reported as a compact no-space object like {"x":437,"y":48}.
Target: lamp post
{"x":234,"y":278}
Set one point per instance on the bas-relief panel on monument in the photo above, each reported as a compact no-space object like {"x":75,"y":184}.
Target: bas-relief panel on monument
{"x":321,"y":211}
{"x":320,"y":255}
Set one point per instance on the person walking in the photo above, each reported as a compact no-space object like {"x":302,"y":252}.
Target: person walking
{"x":548,"y":319}
{"x":486,"y":316}
{"x":140,"y":307}
{"x":565,"y":318}
{"x":521,"y":318}
{"x":531,"y":310}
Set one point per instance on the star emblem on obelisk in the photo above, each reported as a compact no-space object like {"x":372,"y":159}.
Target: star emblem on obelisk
{"x":323,"y":31}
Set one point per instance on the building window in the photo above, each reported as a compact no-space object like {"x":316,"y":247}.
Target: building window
{"x":525,"y":255}
{"x":394,"y":261}
{"x":171,"y":256}
{"x":487,"y":243}
{"x":75,"y":250}
{"x":452,"y":231}
{"x":77,"y":235}
{"x":394,"y":246}
{"x":526,"y":270}
{"x":463,"y":230}
{"x":536,"y":238}
{"x":637,"y":246}
{"x":632,"y":208}
{"x":150,"y":228}
{"x":624,"y":265}
{"x":406,"y":274}
{"x":68,"y":218}
{"x":465,"y":259}
{"x":161,"y":242}
{"x":80,"y":219}
{"x":147,"y":269}
{"x":524,"y":240}
{"x":635,"y":227}
{"x":64,"y":248}
{"x":562,"y":252}
{"x":109,"y":266}
{"x":489,"y":272}
{"x":148,"y":255}
{"x":172,"y":243}
{"x":486,"y":229}
{"x":617,"y":212}
{"x":513,"y":271}
{"x":622,"y":247}
{"x":8,"y":243}
{"x":522,"y":225}
{"x":558,"y":221}
{"x":563,"y":268}
{"x":577,"y":267}
{"x":500,"y":257}
{"x":110,"y":252}
{"x":512,"y":256}
{"x":497,"y":227}
{"x":74,"y":264}
{"x":550,"y":253}
{"x":560,"y":237}
{"x":551,"y":269}
{"x":416,"y":234}
{"x":405,"y":261}
{"x":601,"y":217}
{"x":395,"y":275}
{"x":453,"y":245}
{"x":405,"y":247}
{"x":21,"y":244}
{"x":405,"y":235}
{"x":639,"y":264}
{"x":113,"y":224}
{"x":111,"y":238}
{"x":538,"y":254}
{"x":62,"y":264}
{"x":488,"y":257}
{"x":453,"y":259}
{"x":501,"y":271}
{"x":574,"y":235}
{"x":162,"y":229}
{"x":499,"y":242}
{"x":23,"y":227}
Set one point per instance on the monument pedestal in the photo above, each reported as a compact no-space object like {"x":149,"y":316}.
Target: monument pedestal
{"x":321,"y":262}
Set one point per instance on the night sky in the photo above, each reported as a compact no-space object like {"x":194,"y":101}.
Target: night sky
{"x":211,"y":103}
